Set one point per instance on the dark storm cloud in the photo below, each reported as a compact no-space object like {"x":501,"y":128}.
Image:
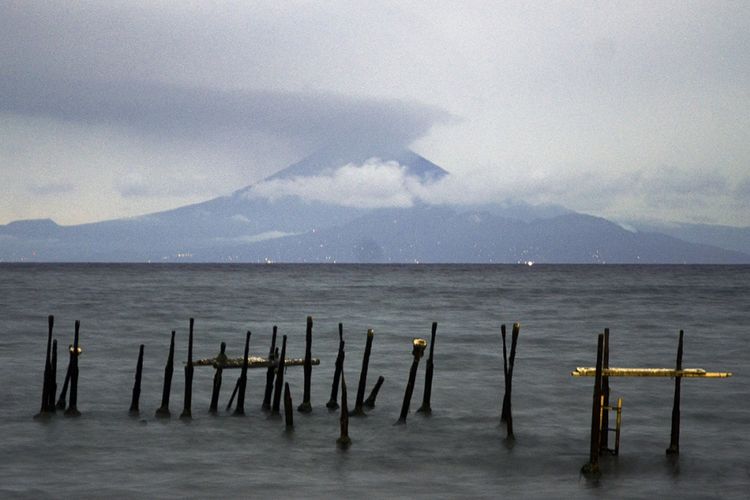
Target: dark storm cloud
{"x":169,"y":110}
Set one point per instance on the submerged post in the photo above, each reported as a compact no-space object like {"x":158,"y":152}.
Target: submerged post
{"x":507,"y":413}
{"x":279,"y":378}
{"x":240,"y":409}
{"x":426,"y":408}
{"x":306,"y":407}
{"x":53,"y":379}
{"x":344,"y":441}
{"x":66,"y":381}
{"x":363,"y":375}
{"x":332,"y":404}
{"x":187,"y":408}
{"x":288,"y":411}
{"x":219,"y":368}
{"x":72,"y":410}
{"x":604,"y":439}
{"x":592,"y":467}
{"x":370,"y":401}
{"x":674,"y":441}
{"x":269,"y":373}
{"x":47,"y":369}
{"x":163,"y":411}
{"x":134,"y":401}
{"x":417,"y":350}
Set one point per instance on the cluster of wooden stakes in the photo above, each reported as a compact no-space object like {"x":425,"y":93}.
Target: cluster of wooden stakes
{"x":275,"y":363}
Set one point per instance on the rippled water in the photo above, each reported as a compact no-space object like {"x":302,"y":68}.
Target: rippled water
{"x":458,"y":452}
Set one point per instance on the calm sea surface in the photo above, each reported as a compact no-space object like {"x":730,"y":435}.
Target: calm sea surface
{"x":458,"y":452}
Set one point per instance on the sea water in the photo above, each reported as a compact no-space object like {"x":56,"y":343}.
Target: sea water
{"x":460,"y":451}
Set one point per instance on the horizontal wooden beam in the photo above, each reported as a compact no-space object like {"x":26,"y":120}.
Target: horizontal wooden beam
{"x":252,"y":362}
{"x":649,"y":372}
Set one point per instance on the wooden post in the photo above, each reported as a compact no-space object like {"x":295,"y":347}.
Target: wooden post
{"x":604,"y":440}
{"x":288,"y":411}
{"x":306,"y":407}
{"x":370,"y":401}
{"x":358,"y":411}
{"x":187,"y":408}
{"x":163,"y":411}
{"x":592,"y":467}
{"x":240,"y":409}
{"x":53,"y":379}
{"x":234,"y":393}
{"x":503,"y":413}
{"x":134,"y":401}
{"x":213,"y":408}
{"x":269,"y":373}
{"x":279,"y":378}
{"x":344,"y":441}
{"x":417,"y":351}
{"x":66,"y":381}
{"x":47,"y":369}
{"x":332,"y":404}
{"x":426,"y":408}
{"x":674,"y":441}
{"x":72,"y":410}
{"x":507,"y":413}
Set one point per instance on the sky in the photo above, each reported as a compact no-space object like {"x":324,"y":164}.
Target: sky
{"x":627,"y":110}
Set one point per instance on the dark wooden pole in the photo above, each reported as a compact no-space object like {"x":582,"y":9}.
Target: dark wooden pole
{"x":163,"y":411}
{"x":187,"y":411}
{"x":240,"y":409}
{"x":370,"y":401}
{"x":592,"y":467}
{"x":72,"y":410}
{"x":509,"y":382}
{"x":359,"y":402}
{"x":504,"y":411}
{"x":306,"y":407}
{"x":234,"y":393}
{"x":417,"y":352}
{"x":134,"y":401}
{"x":66,"y":381}
{"x":426,"y":408}
{"x":279,"y":378}
{"x":674,"y":441}
{"x":219,"y":368}
{"x":332,"y":404}
{"x":47,"y":369}
{"x":269,"y":373}
{"x":288,"y":410}
{"x":344,"y":441}
{"x":604,"y":439}
{"x":53,"y":379}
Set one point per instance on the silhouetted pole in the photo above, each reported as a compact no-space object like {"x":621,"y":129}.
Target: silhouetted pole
{"x":674,"y":441}
{"x":269,"y":373}
{"x":417,"y":351}
{"x":47,"y":369}
{"x":240,"y":409}
{"x":288,"y":411}
{"x":279,"y":378}
{"x":66,"y":381}
{"x":370,"y":401}
{"x":53,"y":379}
{"x":343,"y":441}
{"x":187,"y":408}
{"x":332,"y":404}
{"x":220,"y":360}
{"x":426,"y":408}
{"x":134,"y":402}
{"x":363,"y":375}
{"x":604,"y":438}
{"x":234,"y":393}
{"x":507,"y":414}
{"x":163,"y":411}
{"x":72,"y":410}
{"x":592,"y":467}
{"x":306,"y":407}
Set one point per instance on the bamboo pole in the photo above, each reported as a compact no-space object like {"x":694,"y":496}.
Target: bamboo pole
{"x":592,"y":467}
{"x":359,"y":402}
{"x":604,"y":441}
{"x":279,"y":379}
{"x":344,"y":441}
{"x":306,"y":407}
{"x":417,"y":351}
{"x":72,"y":410}
{"x":332,"y":404}
{"x":163,"y":411}
{"x":135,"y":399}
{"x":674,"y":439}
{"x":272,"y":355}
{"x":64,"y":391}
{"x":213,"y":407}
{"x":370,"y":401}
{"x":426,"y":408}
{"x":187,"y":411}
{"x":53,"y":379}
{"x":240,"y":409}
{"x":44,"y":409}
{"x":288,"y":410}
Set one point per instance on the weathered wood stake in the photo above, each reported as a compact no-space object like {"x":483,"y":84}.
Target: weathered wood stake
{"x":370,"y":401}
{"x":66,"y":381}
{"x":674,"y":441}
{"x":592,"y":467}
{"x":306,"y":407}
{"x":214,"y":406}
{"x":332,"y":404}
{"x":279,"y":379}
{"x":344,"y":441}
{"x":72,"y":410}
{"x":240,"y":409}
{"x":359,"y":402}
{"x":134,"y":401}
{"x":47,"y":369}
{"x":507,"y":413}
{"x":426,"y":408}
{"x":187,"y":411}
{"x":604,"y":439}
{"x":53,"y":379}
{"x":417,"y":351}
{"x":163,"y":411}
{"x":288,"y":411}
{"x":270,"y":373}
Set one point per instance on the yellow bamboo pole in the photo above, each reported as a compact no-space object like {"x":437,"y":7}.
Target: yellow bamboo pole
{"x":649,"y":372}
